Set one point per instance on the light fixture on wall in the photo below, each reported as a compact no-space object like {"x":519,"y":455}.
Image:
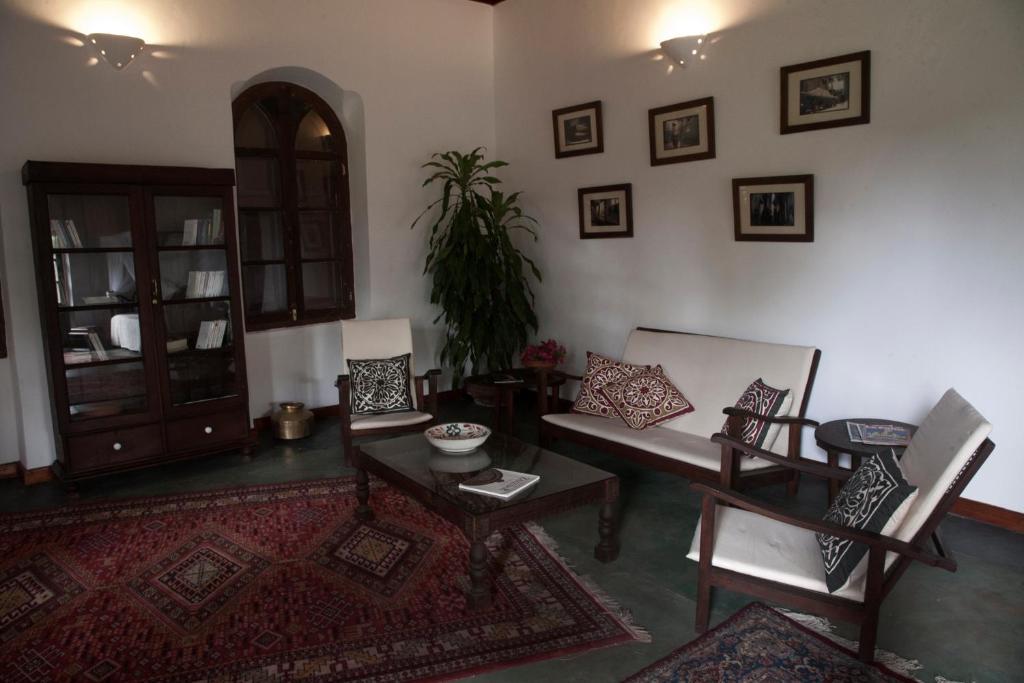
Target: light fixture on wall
{"x":119,"y":51}
{"x":686,"y":49}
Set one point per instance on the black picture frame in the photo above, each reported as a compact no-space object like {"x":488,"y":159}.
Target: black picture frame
{"x":578,"y":130}
{"x":615,"y":204}
{"x":695,"y":129}
{"x":782,"y":212}
{"x":809,"y":101}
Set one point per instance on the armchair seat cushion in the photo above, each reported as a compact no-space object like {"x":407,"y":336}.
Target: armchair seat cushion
{"x":754,"y":545}
{"x":689,"y":448}
{"x":387,"y":420}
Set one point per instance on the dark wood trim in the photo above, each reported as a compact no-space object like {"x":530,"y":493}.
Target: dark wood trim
{"x":807,"y":180}
{"x":93,"y":174}
{"x":985,"y":513}
{"x":36,"y":475}
{"x":488,"y":2}
{"x":262,"y":424}
{"x":709,"y":114}
{"x":627,"y":188}
{"x":9,"y":470}
{"x":865,"y":111}
{"x":598,"y":125}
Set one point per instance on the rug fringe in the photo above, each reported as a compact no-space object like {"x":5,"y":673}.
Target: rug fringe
{"x":891,"y":660}
{"x":623,"y":614}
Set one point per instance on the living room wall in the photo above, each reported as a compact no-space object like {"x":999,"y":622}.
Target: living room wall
{"x":413,"y":77}
{"x":912,"y":284}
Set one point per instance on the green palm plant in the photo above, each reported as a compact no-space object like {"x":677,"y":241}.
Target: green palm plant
{"x":480,"y":278}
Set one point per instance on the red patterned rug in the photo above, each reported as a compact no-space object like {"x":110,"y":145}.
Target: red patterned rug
{"x":277,"y":583}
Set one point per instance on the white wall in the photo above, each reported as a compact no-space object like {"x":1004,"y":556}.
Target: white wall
{"x":412,"y":76}
{"x":917,"y":214}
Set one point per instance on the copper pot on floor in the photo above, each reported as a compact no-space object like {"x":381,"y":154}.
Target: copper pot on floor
{"x":292,"y":421}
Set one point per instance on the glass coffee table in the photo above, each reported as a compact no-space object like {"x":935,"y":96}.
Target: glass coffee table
{"x":413,"y":466}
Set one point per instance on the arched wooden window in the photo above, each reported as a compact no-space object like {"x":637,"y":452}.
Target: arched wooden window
{"x":295,"y":230}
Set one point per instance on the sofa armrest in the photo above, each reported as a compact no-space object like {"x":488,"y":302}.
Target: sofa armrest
{"x":430,"y":378}
{"x":820,"y":469}
{"x":786,"y":420}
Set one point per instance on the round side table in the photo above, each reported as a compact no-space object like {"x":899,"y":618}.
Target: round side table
{"x":503,"y":394}
{"x":834,"y":438}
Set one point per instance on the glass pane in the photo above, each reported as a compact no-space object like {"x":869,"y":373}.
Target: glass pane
{"x":90,"y":221}
{"x":258,"y":183}
{"x":313,"y":134}
{"x":262,"y":236}
{"x":193,"y":274}
{"x":317,"y":183}
{"x":100,"y":334}
{"x":254,"y":130}
{"x":266,"y":289}
{"x":90,"y":279}
{"x":200,"y":353}
{"x":318,"y":230}
{"x":321,"y":285}
{"x":106,"y":390}
{"x":189,"y":221}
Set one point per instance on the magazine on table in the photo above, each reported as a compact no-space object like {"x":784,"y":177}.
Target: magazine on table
{"x":878,"y":434}
{"x":499,"y":483}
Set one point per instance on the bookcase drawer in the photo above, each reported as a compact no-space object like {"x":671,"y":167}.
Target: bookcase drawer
{"x":199,"y":432}
{"x":108,"y":449}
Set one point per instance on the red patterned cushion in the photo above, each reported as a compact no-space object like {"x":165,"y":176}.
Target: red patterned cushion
{"x":646,"y":399}
{"x":600,"y":371}
{"x":764,"y":400}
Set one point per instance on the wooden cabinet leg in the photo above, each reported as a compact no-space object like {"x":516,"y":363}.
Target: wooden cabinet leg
{"x":608,"y":547}
{"x":363,"y":511}
{"x":479,"y":583}
{"x":833,"y":484}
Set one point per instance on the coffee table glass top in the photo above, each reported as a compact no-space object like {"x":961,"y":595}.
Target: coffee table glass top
{"x":440,"y":473}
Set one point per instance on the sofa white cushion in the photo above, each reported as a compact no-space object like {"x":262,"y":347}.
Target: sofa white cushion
{"x":754,"y":545}
{"x":410,"y":417}
{"x":689,"y":448}
{"x":714,"y":371}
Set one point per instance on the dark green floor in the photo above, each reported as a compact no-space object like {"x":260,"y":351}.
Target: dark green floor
{"x":967,"y":626}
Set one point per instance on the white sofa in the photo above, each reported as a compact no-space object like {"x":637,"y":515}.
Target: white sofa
{"x":712,"y":372}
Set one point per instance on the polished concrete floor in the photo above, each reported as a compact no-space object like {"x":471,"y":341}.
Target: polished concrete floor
{"x":966,"y":626}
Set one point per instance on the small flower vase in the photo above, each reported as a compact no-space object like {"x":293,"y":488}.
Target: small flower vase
{"x":538,"y":364}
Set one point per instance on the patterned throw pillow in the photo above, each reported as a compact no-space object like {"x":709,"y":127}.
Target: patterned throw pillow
{"x":646,"y":399}
{"x":876,"y":498}
{"x":764,"y":400}
{"x":600,"y":371}
{"x":380,"y":385}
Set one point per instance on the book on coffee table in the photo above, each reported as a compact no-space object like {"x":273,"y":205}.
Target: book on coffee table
{"x":499,"y":483}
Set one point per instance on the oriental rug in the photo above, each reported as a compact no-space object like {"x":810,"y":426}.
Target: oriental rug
{"x":759,"y":644}
{"x":278,"y":583}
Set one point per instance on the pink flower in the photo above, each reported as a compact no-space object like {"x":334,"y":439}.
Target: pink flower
{"x":549,"y":351}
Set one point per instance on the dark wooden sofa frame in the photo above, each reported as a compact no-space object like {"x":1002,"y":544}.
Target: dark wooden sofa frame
{"x":879,"y":580}
{"x":550,"y":402}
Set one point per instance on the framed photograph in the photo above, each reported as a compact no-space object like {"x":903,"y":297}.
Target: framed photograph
{"x":578,"y":130}
{"x":774,"y":209}
{"x":606,"y":211}
{"x":827,"y":93}
{"x":682,"y":132}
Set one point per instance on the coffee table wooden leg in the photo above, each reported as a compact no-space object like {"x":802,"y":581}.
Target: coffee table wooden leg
{"x":833,"y":484}
{"x":479,"y":581}
{"x":608,"y":547}
{"x":363,"y":511}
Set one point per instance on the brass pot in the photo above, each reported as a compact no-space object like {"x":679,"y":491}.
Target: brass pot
{"x":293,"y":421}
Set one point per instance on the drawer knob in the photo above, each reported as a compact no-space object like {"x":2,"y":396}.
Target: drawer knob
{"x":117,"y":446}
{"x":208,"y":429}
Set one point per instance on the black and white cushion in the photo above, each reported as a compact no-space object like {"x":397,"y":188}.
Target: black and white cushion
{"x":380,"y":385}
{"x":764,"y":400}
{"x":875,"y":498}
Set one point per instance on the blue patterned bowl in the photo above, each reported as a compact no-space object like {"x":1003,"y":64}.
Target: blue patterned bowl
{"x":457,"y":437}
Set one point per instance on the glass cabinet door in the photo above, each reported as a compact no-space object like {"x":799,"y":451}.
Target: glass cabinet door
{"x":92,"y":252}
{"x":194,"y":289}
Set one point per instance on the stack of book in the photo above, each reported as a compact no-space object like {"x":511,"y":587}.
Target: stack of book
{"x":211,"y":334}
{"x":203,"y":230}
{"x":205,"y":283}
{"x":64,"y":235}
{"x":878,"y":434}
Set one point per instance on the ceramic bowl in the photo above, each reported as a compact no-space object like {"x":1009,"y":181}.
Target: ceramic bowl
{"x":457,"y":437}
{"x":459,"y":463}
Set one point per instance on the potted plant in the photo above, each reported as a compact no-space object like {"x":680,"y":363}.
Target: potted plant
{"x":545,"y":355}
{"x":480,"y":278}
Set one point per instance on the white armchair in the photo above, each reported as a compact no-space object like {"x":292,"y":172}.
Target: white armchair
{"x":766,"y":551}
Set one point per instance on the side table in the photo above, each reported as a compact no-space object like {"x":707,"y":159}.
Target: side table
{"x":833,"y":438}
{"x":503,"y":394}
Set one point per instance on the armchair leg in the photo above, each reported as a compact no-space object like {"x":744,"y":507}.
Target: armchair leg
{"x":707,"y":545}
{"x":703,"y":606}
{"x":868,"y":636}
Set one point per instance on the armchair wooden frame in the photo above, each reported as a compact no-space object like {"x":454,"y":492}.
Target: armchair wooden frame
{"x":426,"y":403}
{"x":880,"y":581}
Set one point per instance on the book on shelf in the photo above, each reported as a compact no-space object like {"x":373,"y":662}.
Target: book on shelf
{"x":507,"y":484}
{"x":203,"y":231}
{"x":211,"y":334}
{"x":878,"y":434}
{"x":203,"y":284}
{"x":190,"y":232}
{"x":177,"y":345}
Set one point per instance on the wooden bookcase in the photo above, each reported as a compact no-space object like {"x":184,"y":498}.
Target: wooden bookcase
{"x":141,"y":313}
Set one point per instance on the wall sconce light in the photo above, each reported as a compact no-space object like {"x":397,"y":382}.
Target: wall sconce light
{"x":686,"y":49}
{"x":118,"y":51}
